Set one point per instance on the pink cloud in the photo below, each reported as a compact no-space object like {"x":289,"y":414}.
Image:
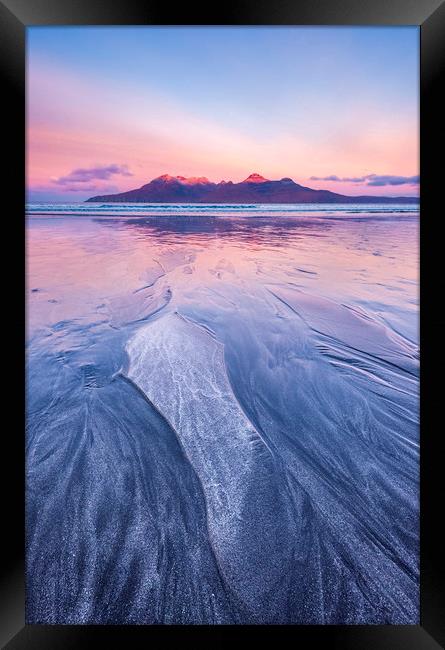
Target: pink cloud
{"x":371,"y":180}
{"x":82,"y":175}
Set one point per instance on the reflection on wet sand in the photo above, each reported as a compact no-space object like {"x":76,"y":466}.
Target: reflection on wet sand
{"x":227,"y":430}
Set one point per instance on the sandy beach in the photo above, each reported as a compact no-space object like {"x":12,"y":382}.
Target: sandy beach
{"x":222,"y":417}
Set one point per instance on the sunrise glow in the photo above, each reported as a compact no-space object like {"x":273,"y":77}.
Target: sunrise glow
{"x":338,"y":105}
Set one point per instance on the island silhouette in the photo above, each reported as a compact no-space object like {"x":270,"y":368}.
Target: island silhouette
{"x":254,"y":189}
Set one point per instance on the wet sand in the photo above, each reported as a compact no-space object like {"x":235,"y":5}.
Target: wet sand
{"x":222,"y":419}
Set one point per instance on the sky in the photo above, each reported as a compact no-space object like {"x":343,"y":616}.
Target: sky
{"x":111,"y":108}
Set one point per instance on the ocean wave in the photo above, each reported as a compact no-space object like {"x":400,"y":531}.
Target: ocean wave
{"x":34,"y":209}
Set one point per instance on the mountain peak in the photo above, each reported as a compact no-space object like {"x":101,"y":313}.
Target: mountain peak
{"x":166,"y":178}
{"x":255,"y":178}
{"x":195,"y":180}
{"x":192,"y":180}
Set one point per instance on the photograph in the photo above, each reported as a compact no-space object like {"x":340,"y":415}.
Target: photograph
{"x":222,"y":325}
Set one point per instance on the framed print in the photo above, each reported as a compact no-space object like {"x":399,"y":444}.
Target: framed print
{"x":231,"y":280}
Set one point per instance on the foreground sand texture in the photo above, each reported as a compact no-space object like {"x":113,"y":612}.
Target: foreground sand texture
{"x":222,"y":419}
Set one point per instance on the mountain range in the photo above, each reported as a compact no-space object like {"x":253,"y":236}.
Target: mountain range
{"x":254,"y":189}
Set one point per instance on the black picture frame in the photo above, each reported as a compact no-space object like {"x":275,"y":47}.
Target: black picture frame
{"x":15,"y":16}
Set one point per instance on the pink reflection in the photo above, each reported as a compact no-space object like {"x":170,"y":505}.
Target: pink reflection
{"x":79,"y":265}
